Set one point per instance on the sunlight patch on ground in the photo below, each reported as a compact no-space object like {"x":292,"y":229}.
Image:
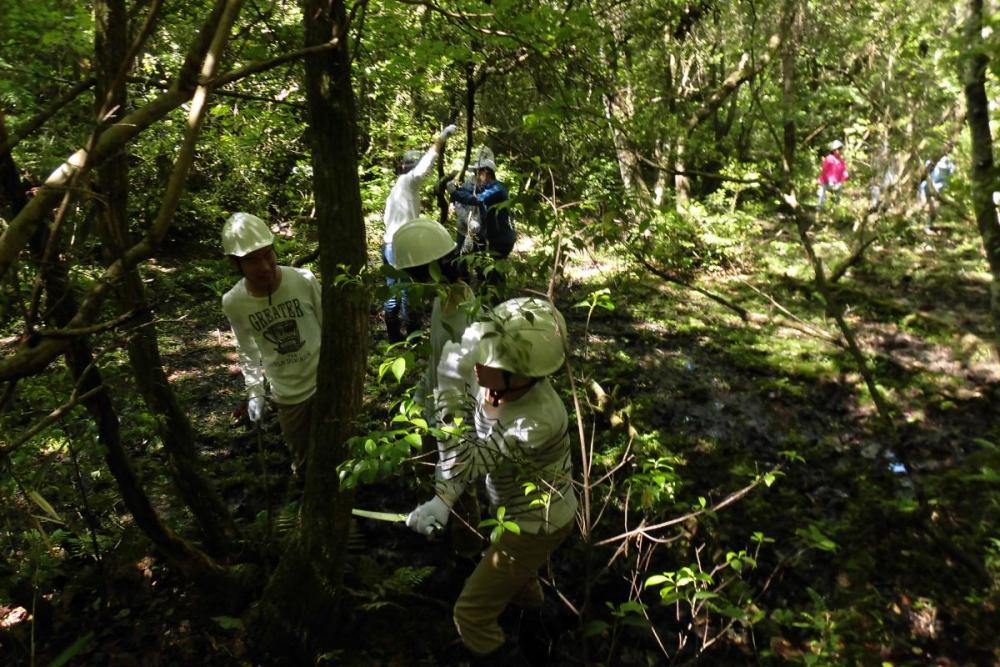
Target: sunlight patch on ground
{"x":582,"y":266}
{"x":11,"y":616}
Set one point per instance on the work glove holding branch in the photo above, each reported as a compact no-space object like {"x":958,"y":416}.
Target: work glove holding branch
{"x":447,"y":132}
{"x":430,"y":517}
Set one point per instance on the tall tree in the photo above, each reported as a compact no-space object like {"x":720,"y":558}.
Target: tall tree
{"x":303,"y":595}
{"x":178,"y":436}
{"x":983,"y":169}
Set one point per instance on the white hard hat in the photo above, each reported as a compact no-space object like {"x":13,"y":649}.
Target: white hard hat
{"x":420,"y":241}
{"x":243,"y":233}
{"x":527,"y":338}
{"x":485,"y":163}
{"x":835,"y":144}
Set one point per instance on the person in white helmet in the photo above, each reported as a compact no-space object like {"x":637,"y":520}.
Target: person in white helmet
{"x":496,"y":380}
{"x":426,"y":251}
{"x":489,"y":224}
{"x":276,"y":313}
{"x":402,"y":205}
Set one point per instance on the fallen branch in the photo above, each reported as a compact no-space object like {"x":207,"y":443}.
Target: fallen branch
{"x":645,"y":531}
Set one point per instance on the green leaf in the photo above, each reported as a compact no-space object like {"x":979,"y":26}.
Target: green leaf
{"x":595,"y":628}
{"x":44,"y":504}
{"x":632,"y":606}
{"x":228,"y":622}
{"x":656,"y":580}
{"x":398,"y":368}
{"x":70,"y":652}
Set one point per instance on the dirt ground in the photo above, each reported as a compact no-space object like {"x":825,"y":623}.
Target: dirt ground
{"x":725,"y":401}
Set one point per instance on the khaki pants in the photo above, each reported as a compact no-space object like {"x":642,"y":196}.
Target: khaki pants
{"x":465,"y":537}
{"x":507,"y":573}
{"x":295,"y":421}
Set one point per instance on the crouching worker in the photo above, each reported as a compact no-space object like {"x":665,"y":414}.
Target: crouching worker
{"x":495,"y":380}
{"x":276,"y":314}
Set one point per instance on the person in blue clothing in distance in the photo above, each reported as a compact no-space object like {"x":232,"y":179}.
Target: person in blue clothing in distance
{"x":490,"y":228}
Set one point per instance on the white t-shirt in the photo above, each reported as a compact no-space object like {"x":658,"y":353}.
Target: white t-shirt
{"x":279,"y":336}
{"x":403,"y":203}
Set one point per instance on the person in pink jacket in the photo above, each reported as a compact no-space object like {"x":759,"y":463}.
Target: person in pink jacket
{"x":832,"y":172}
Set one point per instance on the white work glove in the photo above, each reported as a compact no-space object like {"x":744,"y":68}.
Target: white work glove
{"x":448,"y":131}
{"x":450,"y":187}
{"x":475,"y":224}
{"x":429,"y":518}
{"x":255,"y":408}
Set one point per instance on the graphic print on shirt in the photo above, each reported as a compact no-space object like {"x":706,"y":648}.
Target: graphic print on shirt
{"x":278,"y":325}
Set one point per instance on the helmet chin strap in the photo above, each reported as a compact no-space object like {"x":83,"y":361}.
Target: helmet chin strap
{"x":496,"y":395}
{"x":243,"y":273}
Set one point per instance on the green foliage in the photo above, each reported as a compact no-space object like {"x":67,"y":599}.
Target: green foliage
{"x":71,"y":651}
{"x":500,"y":524}
{"x":657,"y":482}
{"x":380,"y":453}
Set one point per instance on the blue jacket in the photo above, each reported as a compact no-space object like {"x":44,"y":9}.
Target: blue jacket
{"x":496,"y":223}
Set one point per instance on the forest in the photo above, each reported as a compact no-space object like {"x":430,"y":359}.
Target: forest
{"x":770,"y":228}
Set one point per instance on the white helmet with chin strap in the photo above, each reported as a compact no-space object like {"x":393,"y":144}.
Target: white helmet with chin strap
{"x":420,"y":241}
{"x":484,"y":160}
{"x":244,"y":233}
{"x":526,"y":336}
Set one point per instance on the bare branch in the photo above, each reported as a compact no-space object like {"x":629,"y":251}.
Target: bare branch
{"x":264,"y":65}
{"x":43,"y":116}
{"x":93,"y":328}
{"x":34,"y":358}
{"x":645,"y":531}
{"x":744,"y":72}
{"x":23,"y":226}
{"x":50,"y":419}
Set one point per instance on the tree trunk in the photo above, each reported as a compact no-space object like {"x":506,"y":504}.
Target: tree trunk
{"x":682,"y":185}
{"x":301,"y":602}
{"x":790,"y":28}
{"x":175,"y":430}
{"x":983,"y":175}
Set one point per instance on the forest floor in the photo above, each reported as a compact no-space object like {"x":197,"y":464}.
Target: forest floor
{"x":868,"y":549}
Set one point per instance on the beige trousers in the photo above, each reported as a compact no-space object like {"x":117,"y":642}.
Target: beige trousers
{"x":507,"y":573}
{"x":295,"y":421}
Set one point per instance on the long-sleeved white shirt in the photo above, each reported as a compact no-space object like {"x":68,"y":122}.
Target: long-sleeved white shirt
{"x":403,"y":203}
{"x":279,"y":337}
{"x":522,"y":447}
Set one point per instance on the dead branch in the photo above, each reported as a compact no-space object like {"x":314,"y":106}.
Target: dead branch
{"x":645,"y":531}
